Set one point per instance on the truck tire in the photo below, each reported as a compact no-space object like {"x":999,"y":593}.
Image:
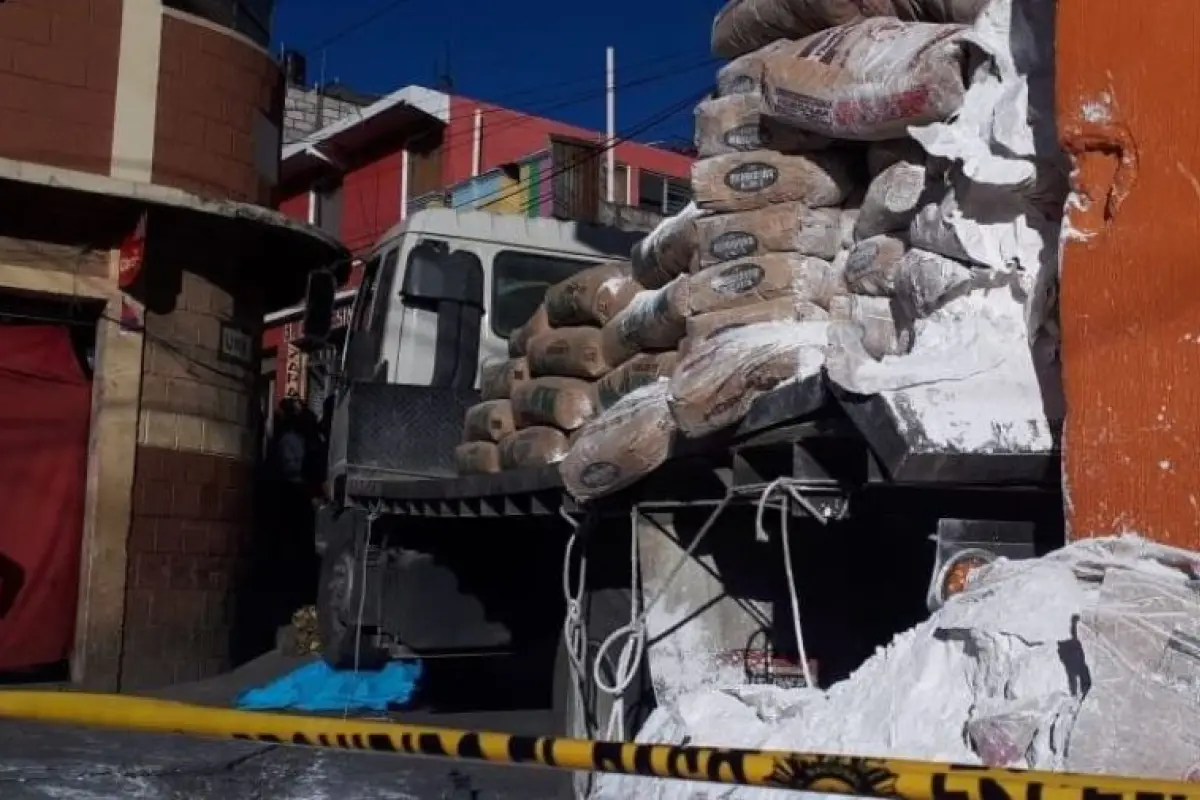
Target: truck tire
{"x":604,"y":610}
{"x":343,"y":644}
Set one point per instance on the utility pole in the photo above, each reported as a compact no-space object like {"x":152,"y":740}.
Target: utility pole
{"x":610,"y":94}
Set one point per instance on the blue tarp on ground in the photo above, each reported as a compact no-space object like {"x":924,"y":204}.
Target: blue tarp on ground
{"x":317,"y":687}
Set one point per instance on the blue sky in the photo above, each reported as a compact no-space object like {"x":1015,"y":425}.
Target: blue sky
{"x":540,"y":56}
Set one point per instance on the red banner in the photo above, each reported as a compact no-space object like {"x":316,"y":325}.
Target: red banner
{"x":133,"y":252}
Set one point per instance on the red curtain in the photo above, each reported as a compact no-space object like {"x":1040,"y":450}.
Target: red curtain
{"x":45,"y":409}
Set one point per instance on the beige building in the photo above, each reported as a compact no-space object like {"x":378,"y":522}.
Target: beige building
{"x":129,"y":117}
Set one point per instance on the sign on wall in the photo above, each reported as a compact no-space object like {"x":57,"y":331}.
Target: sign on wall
{"x":295,"y":373}
{"x":236,"y":345}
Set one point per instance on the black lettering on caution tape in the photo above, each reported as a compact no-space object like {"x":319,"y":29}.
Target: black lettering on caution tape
{"x":860,"y":776}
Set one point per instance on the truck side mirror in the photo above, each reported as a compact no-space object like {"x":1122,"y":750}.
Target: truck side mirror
{"x":318,"y":308}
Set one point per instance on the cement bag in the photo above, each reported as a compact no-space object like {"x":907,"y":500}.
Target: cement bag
{"x":743,"y":181}
{"x":702,"y":327}
{"x":721,"y":378}
{"x":892,"y":200}
{"x":532,"y":447}
{"x":872,"y":264}
{"x":774,"y":275}
{"x":489,"y":421}
{"x":564,"y":403}
{"x":571,"y":352}
{"x":848,"y":221}
{"x":744,"y":74}
{"x":881,"y":155}
{"x":591,"y":296}
{"x":519,"y":338}
{"x":498,"y":379}
{"x":736,"y":123}
{"x":668,"y":250}
{"x":621,"y":446}
{"x":869,"y":80}
{"x":641,"y":370}
{"x":654,"y":320}
{"x":874,"y":323}
{"x":477,"y":458}
{"x":926,"y":281}
{"x":783,"y":227}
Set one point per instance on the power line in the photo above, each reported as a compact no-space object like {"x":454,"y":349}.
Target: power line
{"x":358,"y":25}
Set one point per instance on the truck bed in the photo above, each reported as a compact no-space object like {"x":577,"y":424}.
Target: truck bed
{"x":806,"y":430}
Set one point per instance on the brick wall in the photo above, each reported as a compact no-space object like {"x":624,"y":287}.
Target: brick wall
{"x":305,"y":112}
{"x":58,"y":79}
{"x":220,"y":102}
{"x":193,"y":490}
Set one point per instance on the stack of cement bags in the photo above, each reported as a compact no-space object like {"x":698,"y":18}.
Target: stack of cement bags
{"x":552,"y":384}
{"x":813,"y":211}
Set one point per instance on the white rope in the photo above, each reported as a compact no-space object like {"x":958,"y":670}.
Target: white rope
{"x":372,"y":515}
{"x":575,"y":641}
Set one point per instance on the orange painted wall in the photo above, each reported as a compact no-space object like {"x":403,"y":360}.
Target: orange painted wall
{"x":1129,"y":109}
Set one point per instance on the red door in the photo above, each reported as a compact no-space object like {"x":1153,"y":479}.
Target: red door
{"x":45,"y":408}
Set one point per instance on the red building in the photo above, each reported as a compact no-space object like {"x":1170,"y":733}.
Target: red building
{"x":418,"y":147}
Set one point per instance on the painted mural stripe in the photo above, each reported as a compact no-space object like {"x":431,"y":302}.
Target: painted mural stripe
{"x":866,"y":777}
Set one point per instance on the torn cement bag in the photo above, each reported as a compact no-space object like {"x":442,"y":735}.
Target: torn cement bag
{"x":591,"y":296}
{"x":1141,"y":645}
{"x":744,"y":25}
{"x":881,"y":155}
{"x":847,"y":222}
{"x":873,"y":322}
{"x":743,"y":181}
{"x":576,"y":352}
{"x":621,"y":446}
{"x":532,"y":447}
{"x":782,"y":227}
{"x":668,"y":250}
{"x":477,"y":458}
{"x":872,"y":263}
{"x":498,"y":378}
{"x":641,"y":370}
{"x":654,"y":320}
{"x":767,"y":277}
{"x":564,"y":403}
{"x":892,"y":200}
{"x":489,"y":421}
{"x":736,"y":123}
{"x":744,"y":74}
{"x":869,"y":80}
{"x":721,"y":378}
{"x":519,"y":338}
{"x":925,"y":281}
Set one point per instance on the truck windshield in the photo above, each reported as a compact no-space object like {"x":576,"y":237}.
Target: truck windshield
{"x":519,"y":280}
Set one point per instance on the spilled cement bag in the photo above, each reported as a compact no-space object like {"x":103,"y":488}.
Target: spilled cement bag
{"x":668,"y":250}
{"x":519,"y":338}
{"x":755,"y":280}
{"x":564,"y":403}
{"x":743,"y":181}
{"x":721,"y":378}
{"x":744,"y":25}
{"x":926,"y":281}
{"x":641,"y":370}
{"x":736,"y":123}
{"x":498,"y":379}
{"x":576,"y":352}
{"x":489,"y":421}
{"x":591,"y":296}
{"x":869,"y":80}
{"x":744,"y":74}
{"x":892,"y":200}
{"x":532,"y":447}
{"x":881,"y":155}
{"x":654,"y":320}
{"x":477,"y":458}
{"x":873,"y":322}
{"x":621,"y":446}
{"x":782,"y":227}
{"x":872,"y":264}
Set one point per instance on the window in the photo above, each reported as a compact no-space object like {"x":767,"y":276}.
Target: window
{"x":327,"y":207}
{"x":620,"y":184}
{"x":520,"y":280}
{"x":661,"y":194}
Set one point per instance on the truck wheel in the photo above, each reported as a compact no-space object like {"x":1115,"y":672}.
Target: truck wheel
{"x":586,"y":717}
{"x":343,"y":644}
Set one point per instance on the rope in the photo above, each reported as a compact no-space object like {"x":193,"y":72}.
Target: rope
{"x":372,"y":515}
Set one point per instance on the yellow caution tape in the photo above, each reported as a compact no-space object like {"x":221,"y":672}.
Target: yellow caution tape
{"x":864,"y":777}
